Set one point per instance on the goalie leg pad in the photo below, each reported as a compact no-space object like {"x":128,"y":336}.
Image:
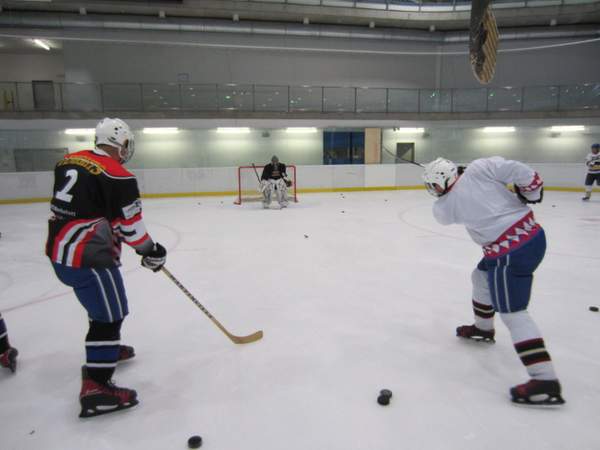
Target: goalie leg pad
{"x":282,"y":192}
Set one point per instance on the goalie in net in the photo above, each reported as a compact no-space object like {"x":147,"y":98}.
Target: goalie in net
{"x":274,"y":180}
{"x":277,"y":180}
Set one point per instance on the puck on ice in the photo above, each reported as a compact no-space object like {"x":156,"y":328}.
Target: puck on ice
{"x":383,"y":400}
{"x":386,"y":393}
{"x":195,"y":442}
{"x":594,"y":308}
{"x":306,"y":236}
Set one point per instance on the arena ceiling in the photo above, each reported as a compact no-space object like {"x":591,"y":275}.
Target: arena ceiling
{"x":407,"y":14}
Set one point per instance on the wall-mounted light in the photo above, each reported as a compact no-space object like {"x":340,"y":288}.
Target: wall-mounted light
{"x":41,"y":44}
{"x":233,"y":130}
{"x":299,"y":130}
{"x":409,"y":130}
{"x":80,"y":131}
{"x":499,"y":129}
{"x":161,"y":130}
{"x":563,"y":128}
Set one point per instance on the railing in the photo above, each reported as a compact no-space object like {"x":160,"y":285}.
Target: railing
{"x":76,"y":97}
{"x":424,"y":5}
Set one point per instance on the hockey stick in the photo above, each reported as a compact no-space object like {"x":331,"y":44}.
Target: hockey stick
{"x":483,"y":41}
{"x":256,"y":172}
{"x":236,"y":339}
{"x":401,"y":159}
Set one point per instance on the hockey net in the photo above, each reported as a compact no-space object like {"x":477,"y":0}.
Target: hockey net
{"x":248,"y":183}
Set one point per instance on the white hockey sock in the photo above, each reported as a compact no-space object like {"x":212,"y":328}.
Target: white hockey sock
{"x":529,"y":345}
{"x":482,"y":301}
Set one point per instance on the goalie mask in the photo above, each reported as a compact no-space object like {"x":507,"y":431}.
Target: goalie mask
{"x":116,"y":133}
{"x":439,"y":176}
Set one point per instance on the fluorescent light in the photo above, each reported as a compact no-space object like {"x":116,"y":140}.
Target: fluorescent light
{"x":163,"y":130}
{"x":232,"y":130}
{"x":499,"y":129}
{"x":560,"y":128}
{"x":409,"y":130}
{"x":42,"y":44}
{"x":80,"y":131}
{"x":301,"y":130}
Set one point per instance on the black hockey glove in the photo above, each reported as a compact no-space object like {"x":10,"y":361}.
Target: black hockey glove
{"x":156,"y":258}
{"x":526,"y":200}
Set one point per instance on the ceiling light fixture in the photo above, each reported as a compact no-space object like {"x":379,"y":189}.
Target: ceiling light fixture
{"x":499,"y":129}
{"x":561,"y":128}
{"x":301,"y":130}
{"x":80,"y":131}
{"x":161,"y":130}
{"x":41,"y":44}
{"x":233,"y":130}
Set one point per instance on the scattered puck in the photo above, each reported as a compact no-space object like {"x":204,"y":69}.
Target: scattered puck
{"x":594,"y":308}
{"x":306,"y":236}
{"x":195,"y":442}
{"x":554,"y":206}
{"x":343,"y":212}
{"x":386,"y":393}
{"x":383,"y":400}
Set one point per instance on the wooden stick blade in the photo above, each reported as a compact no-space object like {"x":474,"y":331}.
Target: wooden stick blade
{"x":246,"y":339}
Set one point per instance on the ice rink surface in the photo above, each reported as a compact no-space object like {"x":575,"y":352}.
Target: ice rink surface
{"x":355,"y":292}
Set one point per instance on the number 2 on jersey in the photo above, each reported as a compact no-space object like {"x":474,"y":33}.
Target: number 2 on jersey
{"x":63,"y":194}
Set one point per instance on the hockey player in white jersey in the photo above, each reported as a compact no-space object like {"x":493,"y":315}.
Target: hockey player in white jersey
{"x":274,"y":180}
{"x":592,"y":161}
{"x":513,"y":246}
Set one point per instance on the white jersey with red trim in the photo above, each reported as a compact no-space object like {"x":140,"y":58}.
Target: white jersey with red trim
{"x":592,"y":161}
{"x":481,"y":201}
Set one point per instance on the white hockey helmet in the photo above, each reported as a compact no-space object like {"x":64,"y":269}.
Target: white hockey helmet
{"x":442,"y":173}
{"x":117,"y":134}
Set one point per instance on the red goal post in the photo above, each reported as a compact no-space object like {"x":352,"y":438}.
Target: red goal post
{"x":247,"y":184}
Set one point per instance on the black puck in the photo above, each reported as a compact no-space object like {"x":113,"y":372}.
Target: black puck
{"x":306,"y":236}
{"x":195,"y":442}
{"x":386,"y":393}
{"x":383,"y":400}
{"x":594,"y":308}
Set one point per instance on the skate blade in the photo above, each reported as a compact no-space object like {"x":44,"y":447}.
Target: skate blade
{"x":550,"y":403}
{"x":478,"y":339}
{"x":89,"y":412}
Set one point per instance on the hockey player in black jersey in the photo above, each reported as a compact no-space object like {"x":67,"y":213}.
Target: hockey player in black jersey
{"x":95,"y":207}
{"x":274,"y":179}
{"x":8,"y":354}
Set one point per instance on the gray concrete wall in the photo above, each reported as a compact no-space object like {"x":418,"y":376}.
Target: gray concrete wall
{"x":87,"y":62}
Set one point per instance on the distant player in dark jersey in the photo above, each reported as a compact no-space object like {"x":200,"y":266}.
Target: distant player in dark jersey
{"x":95,"y":207}
{"x":592,"y":161}
{"x":274,"y":179}
{"x":8,"y":354}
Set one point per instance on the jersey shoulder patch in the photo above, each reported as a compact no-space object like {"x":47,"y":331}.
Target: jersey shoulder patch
{"x":97,"y":164}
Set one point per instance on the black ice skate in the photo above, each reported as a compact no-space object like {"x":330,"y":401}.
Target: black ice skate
{"x":586,"y":198}
{"x":126,"y":352}
{"x":8,"y":359}
{"x":97,"y":398}
{"x":476,"y":334}
{"x":538,"y":393}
